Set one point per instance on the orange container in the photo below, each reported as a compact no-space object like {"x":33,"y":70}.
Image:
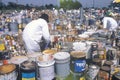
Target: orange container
{"x":5,"y":61}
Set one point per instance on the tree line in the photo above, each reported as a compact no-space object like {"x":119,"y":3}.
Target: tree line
{"x":65,"y":4}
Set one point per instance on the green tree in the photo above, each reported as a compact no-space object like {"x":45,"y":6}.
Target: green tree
{"x":70,"y":4}
{"x":12,"y":4}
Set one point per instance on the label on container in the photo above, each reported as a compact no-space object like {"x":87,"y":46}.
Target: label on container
{"x":28,"y":76}
{"x":82,"y":78}
{"x":2,"y":47}
{"x":79,"y":65}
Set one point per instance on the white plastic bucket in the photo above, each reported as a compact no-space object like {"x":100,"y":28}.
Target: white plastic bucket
{"x":46,"y":69}
{"x":62,"y":65}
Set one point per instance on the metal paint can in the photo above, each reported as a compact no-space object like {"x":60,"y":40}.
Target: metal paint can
{"x":78,"y":61}
{"x":8,"y":72}
{"x":78,"y":64}
{"x":28,"y":70}
{"x":93,"y":71}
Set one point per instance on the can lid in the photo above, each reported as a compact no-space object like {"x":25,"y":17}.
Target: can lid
{"x":46,"y":64}
{"x":108,"y":62}
{"x":4,"y":69}
{"x":61,"y":55}
{"x":105,"y":68}
{"x":33,"y":55}
{"x":18,"y":59}
{"x":78,"y":54}
{"x":93,"y":67}
{"x":28,"y":65}
{"x":97,"y":60}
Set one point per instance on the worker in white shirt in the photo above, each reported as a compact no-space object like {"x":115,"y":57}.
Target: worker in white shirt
{"x":36,"y":34}
{"x":109,"y":23}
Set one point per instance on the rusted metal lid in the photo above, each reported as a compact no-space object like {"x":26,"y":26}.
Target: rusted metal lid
{"x":108,"y":63}
{"x":97,"y":60}
{"x":78,"y":54}
{"x":105,"y":68}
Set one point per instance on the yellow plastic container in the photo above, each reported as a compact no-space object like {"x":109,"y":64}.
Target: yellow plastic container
{"x":2,"y":47}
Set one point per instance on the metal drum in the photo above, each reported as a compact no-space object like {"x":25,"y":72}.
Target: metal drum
{"x":46,"y":67}
{"x":17,"y":60}
{"x":8,"y":72}
{"x":62,"y":64}
{"x":28,"y":70}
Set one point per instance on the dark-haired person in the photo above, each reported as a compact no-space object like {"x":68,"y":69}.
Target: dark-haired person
{"x":35,"y":32}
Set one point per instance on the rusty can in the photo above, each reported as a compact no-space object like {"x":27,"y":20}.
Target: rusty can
{"x":106,"y":69}
{"x":93,"y":71}
{"x":103,"y":75}
{"x":108,"y":63}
